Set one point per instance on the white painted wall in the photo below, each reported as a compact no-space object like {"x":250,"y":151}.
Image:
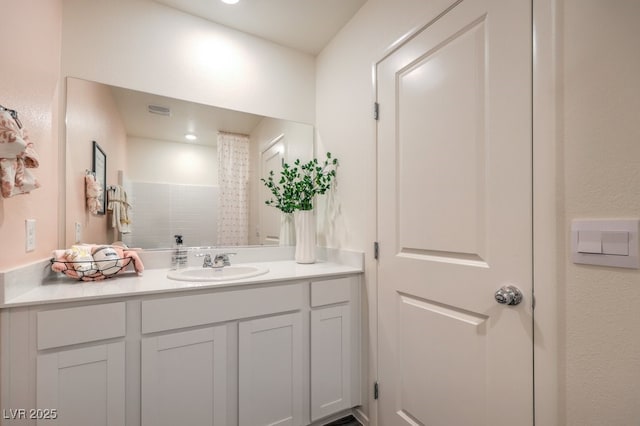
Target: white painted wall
{"x":599,"y":114}
{"x":146,"y":46}
{"x":171,"y":162}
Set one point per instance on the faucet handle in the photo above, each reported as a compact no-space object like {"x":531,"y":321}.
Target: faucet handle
{"x":206,"y":263}
{"x":222,"y":259}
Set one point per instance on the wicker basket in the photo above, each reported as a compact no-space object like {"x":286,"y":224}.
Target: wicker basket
{"x":97,"y":269}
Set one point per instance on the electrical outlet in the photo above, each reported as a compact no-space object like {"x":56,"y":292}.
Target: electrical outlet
{"x":30,"y":231}
{"x":78,"y":232}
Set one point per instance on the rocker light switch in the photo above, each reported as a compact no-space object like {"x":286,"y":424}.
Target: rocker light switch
{"x":590,"y":242}
{"x":606,"y":242}
{"x":615,"y":242}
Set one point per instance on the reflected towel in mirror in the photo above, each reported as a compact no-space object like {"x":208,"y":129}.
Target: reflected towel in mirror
{"x":119,"y":207}
{"x":93,"y":191}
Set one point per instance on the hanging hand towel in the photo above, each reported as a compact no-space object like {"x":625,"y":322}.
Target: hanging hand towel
{"x":93,"y":192}
{"x":16,"y":156}
{"x":119,"y":206}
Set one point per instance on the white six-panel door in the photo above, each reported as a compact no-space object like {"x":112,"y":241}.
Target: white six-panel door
{"x":455,"y":220}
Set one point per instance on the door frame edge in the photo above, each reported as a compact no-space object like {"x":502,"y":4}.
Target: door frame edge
{"x":545,"y":155}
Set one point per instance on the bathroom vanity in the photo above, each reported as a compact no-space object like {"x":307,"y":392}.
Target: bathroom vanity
{"x":282,"y":347}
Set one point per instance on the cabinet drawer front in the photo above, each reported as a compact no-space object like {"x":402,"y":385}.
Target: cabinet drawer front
{"x":330,"y":292}
{"x":62,"y":327}
{"x":188,"y":311}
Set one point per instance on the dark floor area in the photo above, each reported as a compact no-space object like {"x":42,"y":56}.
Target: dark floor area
{"x":346,"y":421}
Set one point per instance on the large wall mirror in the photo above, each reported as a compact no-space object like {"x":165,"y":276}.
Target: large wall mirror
{"x":171,"y":183}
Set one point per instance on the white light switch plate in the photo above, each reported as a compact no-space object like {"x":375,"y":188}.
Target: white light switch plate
{"x":30,"y":234}
{"x":606,"y":242}
{"x":78,"y":232}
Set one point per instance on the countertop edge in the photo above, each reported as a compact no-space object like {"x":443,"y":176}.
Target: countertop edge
{"x":154,"y":281}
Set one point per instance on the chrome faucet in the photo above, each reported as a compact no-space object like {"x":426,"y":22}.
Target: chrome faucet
{"x":222,"y":260}
{"x":207,"y":263}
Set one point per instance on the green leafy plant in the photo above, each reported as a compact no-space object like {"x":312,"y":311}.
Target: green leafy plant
{"x":300,"y":183}
{"x":283,"y":191}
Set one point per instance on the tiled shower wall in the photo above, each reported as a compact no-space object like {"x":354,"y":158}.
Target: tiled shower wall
{"x":160,"y":211}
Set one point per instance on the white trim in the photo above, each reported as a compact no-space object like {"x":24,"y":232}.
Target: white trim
{"x":545,"y":214}
{"x":370,"y":290}
{"x":272,"y":143}
{"x":414,"y":32}
{"x":361,"y":416}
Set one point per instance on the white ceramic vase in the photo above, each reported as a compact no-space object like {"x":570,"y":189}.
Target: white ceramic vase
{"x":305,"y":236}
{"x":287,"y":230}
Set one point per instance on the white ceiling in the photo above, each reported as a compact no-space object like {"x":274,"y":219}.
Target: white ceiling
{"x":304,"y":25}
{"x":186,"y":117}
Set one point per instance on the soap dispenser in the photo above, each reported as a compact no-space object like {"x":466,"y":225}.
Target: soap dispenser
{"x":179,"y":257}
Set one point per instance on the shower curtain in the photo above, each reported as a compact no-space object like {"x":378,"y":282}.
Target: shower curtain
{"x":233,"y":179}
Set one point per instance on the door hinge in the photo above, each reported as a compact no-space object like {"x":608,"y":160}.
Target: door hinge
{"x":533,"y":302}
{"x":376,"y":111}
{"x":376,"y":250}
{"x":376,"y":392}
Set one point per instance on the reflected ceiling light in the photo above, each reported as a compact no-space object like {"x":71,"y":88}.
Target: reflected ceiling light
{"x":190,"y":137}
{"x":230,"y":1}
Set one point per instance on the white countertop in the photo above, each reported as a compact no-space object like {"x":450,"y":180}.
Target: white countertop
{"x":63,"y":289}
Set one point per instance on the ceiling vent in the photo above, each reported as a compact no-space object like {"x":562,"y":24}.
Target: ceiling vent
{"x":160,"y":110}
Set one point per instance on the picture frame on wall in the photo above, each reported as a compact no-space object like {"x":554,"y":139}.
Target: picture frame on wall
{"x":100,"y":172}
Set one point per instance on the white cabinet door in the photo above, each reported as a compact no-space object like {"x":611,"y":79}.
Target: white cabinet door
{"x":270,"y":371}
{"x":184,"y":378}
{"x":86,"y":386}
{"x":330,"y":360}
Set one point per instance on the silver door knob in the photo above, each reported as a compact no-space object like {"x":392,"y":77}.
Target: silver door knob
{"x":508,"y":295}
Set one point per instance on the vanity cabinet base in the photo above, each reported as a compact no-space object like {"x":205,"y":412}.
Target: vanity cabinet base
{"x":284,"y":353}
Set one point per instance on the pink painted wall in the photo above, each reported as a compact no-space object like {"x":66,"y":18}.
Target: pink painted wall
{"x":30,"y":84}
{"x":91,"y":115}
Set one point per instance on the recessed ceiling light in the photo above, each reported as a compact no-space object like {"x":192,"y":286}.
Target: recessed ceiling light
{"x":190,"y":137}
{"x":230,"y":1}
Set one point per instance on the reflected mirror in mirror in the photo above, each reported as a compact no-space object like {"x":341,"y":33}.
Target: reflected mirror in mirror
{"x":172,"y":181}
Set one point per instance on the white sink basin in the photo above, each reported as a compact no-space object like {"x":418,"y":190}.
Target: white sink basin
{"x":234,"y":272}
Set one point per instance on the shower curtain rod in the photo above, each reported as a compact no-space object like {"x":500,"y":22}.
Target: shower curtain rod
{"x":222,"y":132}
